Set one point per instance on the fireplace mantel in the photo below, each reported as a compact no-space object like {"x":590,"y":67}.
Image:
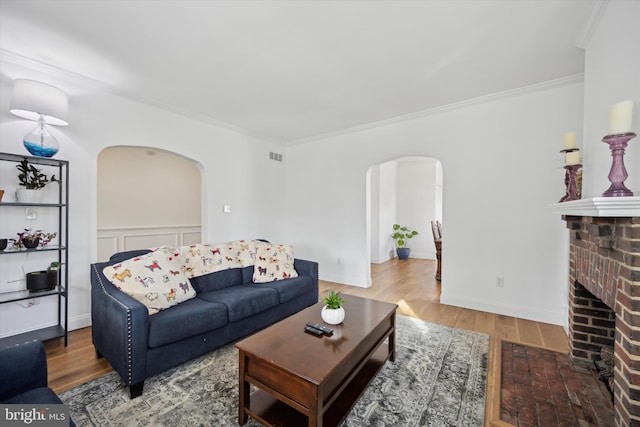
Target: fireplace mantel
{"x":600,"y":207}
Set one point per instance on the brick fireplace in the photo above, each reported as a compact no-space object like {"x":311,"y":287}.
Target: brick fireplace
{"x":604,"y":302}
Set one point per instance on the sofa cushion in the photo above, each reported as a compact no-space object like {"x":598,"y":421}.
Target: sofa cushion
{"x":247,"y":274}
{"x":273,"y":262}
{"x":218,"y":280}
{"x":290,"y":288}
{"x":204,"y":258}
{"x":190,"y":318}
{"x":155,"y":279}
{"x":243,"y":301}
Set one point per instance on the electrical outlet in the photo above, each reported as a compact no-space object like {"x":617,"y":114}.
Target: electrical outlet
{"x":500,"y":282}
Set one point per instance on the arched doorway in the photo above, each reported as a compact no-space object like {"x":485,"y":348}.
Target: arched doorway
{"x":146,"y":197}
{"x":407,"y":191}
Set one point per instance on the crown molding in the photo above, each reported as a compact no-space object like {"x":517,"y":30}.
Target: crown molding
{"x":592,"y":24}
{"x":550,"y":84}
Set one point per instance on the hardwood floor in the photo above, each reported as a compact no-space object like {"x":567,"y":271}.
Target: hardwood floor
{"x":411,"y":284}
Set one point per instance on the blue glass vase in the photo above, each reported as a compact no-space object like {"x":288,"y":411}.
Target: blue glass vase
{"x":40,"y":142}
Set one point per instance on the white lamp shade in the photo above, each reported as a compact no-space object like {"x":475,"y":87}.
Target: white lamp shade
{"x":30,"y":99}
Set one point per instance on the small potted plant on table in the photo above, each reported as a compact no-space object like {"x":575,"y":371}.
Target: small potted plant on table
{"x":333,"y":312}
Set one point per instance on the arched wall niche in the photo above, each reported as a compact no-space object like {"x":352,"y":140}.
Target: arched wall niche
{"x":146,"y":197}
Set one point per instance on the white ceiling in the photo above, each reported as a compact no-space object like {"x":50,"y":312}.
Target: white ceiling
{"x":291,"y":70}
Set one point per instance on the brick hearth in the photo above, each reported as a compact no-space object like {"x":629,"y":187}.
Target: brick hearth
{"x":542,"y":388}
{"x":604,"y":302}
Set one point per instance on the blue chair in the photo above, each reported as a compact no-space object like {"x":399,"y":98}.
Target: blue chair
{"x":23,"y":376}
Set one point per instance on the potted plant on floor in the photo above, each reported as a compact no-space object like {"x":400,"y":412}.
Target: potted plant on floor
{"x":31,"y":180}
{"x":400,"y":235}
{"x":333,"y":312}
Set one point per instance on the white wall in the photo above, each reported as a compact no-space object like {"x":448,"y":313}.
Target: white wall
{"x":235,"y":170}
{"x":612,"y":74}
{"x":384,"y":211}
{"x":417,"y":203}
{"x":502,"y":169}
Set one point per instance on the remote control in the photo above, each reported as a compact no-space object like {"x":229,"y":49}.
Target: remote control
{"x":313,"y":331}
{"x":324,"y":329}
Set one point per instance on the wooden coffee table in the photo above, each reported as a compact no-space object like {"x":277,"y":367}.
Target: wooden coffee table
{"x":306,"y":380}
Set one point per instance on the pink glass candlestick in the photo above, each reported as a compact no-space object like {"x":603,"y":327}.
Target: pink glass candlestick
{"x":618,"y":173}
{"x":570,"y":183}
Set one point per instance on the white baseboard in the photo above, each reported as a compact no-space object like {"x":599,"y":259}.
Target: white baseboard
{"x":341,"y":279}
{"x":522,"y":312}
{"x":380,"y":260}
{"x":79,"y":322}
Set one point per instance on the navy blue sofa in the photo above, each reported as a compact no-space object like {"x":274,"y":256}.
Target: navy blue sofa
{"x":227,"y":307}
{"x":23,"y":376}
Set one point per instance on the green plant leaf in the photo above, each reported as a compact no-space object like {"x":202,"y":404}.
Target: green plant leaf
{"x":333,"y":300}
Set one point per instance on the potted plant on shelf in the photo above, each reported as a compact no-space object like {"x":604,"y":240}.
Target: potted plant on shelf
{"x":52,"y":273}
{"x":31,"y":180}
{"x":333,"y":312}
{"x":44,"y":280}
{"x":31,"y":239}
{"x":400,"y":235}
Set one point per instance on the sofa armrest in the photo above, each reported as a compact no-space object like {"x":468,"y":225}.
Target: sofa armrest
{"x":23,"y":367}
{"x":307,"y":268}
{"x":120,"y":327}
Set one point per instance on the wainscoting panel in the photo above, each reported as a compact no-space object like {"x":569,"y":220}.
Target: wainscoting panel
{"x":191,"y":237}
{"x":107,"y":246}
{"x":112,"y":240}
{"x":150,"y":240}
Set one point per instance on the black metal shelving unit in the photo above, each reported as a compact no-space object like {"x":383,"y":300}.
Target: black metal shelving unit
{"x":61,"y":209}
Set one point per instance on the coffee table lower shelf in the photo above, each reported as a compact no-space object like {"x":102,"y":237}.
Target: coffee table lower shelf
{"x":272,"y":412}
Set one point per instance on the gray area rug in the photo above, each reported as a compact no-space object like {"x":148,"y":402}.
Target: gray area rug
{"x":437,"y":379}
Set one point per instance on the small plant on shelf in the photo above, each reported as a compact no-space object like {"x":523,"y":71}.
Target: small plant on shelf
{"x":45,"y":238}
{"x":54,"y":266}
{"x":31,"y":177}
{"x":31,"y":239}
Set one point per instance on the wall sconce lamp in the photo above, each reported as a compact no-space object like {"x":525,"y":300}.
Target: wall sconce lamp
{"x":44,"y":104}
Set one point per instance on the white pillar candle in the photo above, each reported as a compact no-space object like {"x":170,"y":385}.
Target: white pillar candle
{"x":572,"y":158}
{"x":570,"y":140}
{"x":620,"y":116}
